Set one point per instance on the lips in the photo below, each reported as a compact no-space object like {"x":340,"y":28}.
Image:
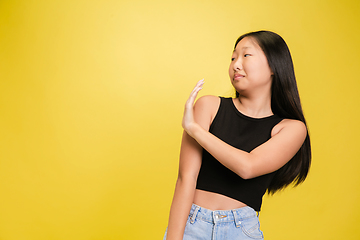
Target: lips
{"x":238,"y":76}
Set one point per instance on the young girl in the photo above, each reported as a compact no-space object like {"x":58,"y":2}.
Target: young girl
{"x":235,"y":149}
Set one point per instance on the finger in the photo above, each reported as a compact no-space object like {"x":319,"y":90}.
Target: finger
{"x":197,"y":87}
{"x":195,"y":91}
{"x":198,"y":84}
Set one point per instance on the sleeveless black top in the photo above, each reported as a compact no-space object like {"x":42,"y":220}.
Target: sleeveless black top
{"x":242,"y":132}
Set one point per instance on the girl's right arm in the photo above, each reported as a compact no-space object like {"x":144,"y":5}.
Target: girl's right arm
{"x":190,"y":161}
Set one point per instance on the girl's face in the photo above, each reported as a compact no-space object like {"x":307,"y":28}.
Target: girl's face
{"x":249,"y":70}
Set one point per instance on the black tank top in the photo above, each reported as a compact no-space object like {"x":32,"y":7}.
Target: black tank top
{"x":242,"y":132}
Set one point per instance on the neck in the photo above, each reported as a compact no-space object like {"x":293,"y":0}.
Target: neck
{"x":256,"y":107}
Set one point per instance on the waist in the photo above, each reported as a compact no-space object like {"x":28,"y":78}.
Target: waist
{"x":215,"y":216}
{"x":215,"y":201}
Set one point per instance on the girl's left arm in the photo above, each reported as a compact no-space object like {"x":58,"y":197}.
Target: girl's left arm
{"x":266,"y":158}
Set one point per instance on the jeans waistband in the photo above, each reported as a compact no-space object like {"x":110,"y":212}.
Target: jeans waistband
{"x":217,"y":216}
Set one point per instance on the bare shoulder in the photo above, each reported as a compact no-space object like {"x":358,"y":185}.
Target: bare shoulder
{"x":207,"y":106}
{"x":291,"y":126}
{"x":208,"y":100}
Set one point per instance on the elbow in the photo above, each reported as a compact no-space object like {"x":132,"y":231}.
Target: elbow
{"x":246,"y":175}
{"x":243,"y":165}
{"x":246,"y":172}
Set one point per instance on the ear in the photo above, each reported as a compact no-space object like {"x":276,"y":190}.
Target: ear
{"x":272,"y":73}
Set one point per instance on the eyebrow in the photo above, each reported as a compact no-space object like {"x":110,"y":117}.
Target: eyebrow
{"x":242,"y":48}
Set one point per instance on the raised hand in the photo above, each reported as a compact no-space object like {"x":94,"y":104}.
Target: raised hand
{"x":188,"y":121}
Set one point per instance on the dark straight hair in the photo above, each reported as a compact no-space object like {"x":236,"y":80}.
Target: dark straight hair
{"x":285,"y":102}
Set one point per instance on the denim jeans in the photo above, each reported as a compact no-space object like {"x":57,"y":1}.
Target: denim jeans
{"x":236,"y":224}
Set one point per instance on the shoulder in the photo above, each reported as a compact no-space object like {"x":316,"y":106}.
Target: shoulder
{"x":208,"y":101}
{"x":207,"y":107}
{"x":291,"y":126}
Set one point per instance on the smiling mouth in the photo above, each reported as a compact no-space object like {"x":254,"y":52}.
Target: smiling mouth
{"x":238,"y":76}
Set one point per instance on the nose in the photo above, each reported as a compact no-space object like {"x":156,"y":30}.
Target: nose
{"x":237,"y":65}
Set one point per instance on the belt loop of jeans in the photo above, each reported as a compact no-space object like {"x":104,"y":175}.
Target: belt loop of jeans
{"x":236,"y":218}
{"x":192,"y":219}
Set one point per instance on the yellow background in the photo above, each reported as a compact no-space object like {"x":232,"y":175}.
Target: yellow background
{"x":91,"y":99}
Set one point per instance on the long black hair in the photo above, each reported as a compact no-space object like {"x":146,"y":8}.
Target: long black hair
{"x":285,"y":102}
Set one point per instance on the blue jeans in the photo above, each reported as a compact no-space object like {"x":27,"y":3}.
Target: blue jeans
{"x":236,"y":224}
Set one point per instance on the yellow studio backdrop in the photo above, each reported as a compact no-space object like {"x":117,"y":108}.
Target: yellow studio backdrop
{"x":91,"y":100}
